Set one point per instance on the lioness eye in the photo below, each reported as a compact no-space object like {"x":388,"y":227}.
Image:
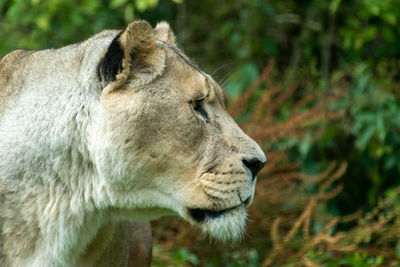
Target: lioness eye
{"x":198,"y":107}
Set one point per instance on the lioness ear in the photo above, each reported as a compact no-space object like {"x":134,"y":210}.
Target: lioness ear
{"x":134,"y":43}
{"x":164,"y":33}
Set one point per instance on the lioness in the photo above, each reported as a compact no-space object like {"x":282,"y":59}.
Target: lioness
{"x":122,"y":126}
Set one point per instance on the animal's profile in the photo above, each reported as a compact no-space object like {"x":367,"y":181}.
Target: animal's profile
{"x":121,"y":127}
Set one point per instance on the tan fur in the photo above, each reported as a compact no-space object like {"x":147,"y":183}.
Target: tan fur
{"x":82,"y":151}
{"x":163,"y":32}
{"x":8,"y":89}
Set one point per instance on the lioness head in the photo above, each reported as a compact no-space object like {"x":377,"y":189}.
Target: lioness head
{"x":162,"y":139}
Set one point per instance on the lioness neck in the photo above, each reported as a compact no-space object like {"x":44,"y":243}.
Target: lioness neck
{"x":51,"y":206}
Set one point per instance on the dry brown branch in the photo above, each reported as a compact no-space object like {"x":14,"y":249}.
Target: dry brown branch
{"x":306,"y":213}
{"x":282,"y":98}
{"x":262,"y":112}
{"x":333,"y":177}
{"x":275,"y":233}
{"x":333,"y":193}
{"x":321,"y":238}
{"x":306,"y":228}
{"x":351,"y":217}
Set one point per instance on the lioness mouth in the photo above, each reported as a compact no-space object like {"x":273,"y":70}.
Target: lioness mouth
{"x":200,"y":215}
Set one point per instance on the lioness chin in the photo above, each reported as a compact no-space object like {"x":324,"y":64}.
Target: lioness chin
{"x":121,"y":127}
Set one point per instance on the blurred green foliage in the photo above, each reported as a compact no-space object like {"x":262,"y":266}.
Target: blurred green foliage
{"x":38,"y":24}
{"x":354,"y":260}
{"x":371,"y":126}
{"x":352,"y":46}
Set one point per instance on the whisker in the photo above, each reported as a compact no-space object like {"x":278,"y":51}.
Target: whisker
{"x":229,"y":77}
{"x":220,"y":67}
{"x":226,"y":77}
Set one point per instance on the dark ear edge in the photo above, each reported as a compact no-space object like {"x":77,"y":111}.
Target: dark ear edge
{"x":111,"y":63}
{"x":135,"y":45}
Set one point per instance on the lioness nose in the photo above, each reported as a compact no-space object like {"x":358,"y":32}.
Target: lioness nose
{"x":254,"y":165}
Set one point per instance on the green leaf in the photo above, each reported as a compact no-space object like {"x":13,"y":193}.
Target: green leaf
{"x":389,"y":18}
{"x":142,"y":5}
{"x":242,"y":78}
{"x":183,"y":255}
{"x":379,"y":260}
{"x":334,"y":5}
{"x":363,"y":140}
{"x":117,"y":3}
{"x":43,"y":22}
{"x":398,"y":249}
{"x":129,"y":12}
